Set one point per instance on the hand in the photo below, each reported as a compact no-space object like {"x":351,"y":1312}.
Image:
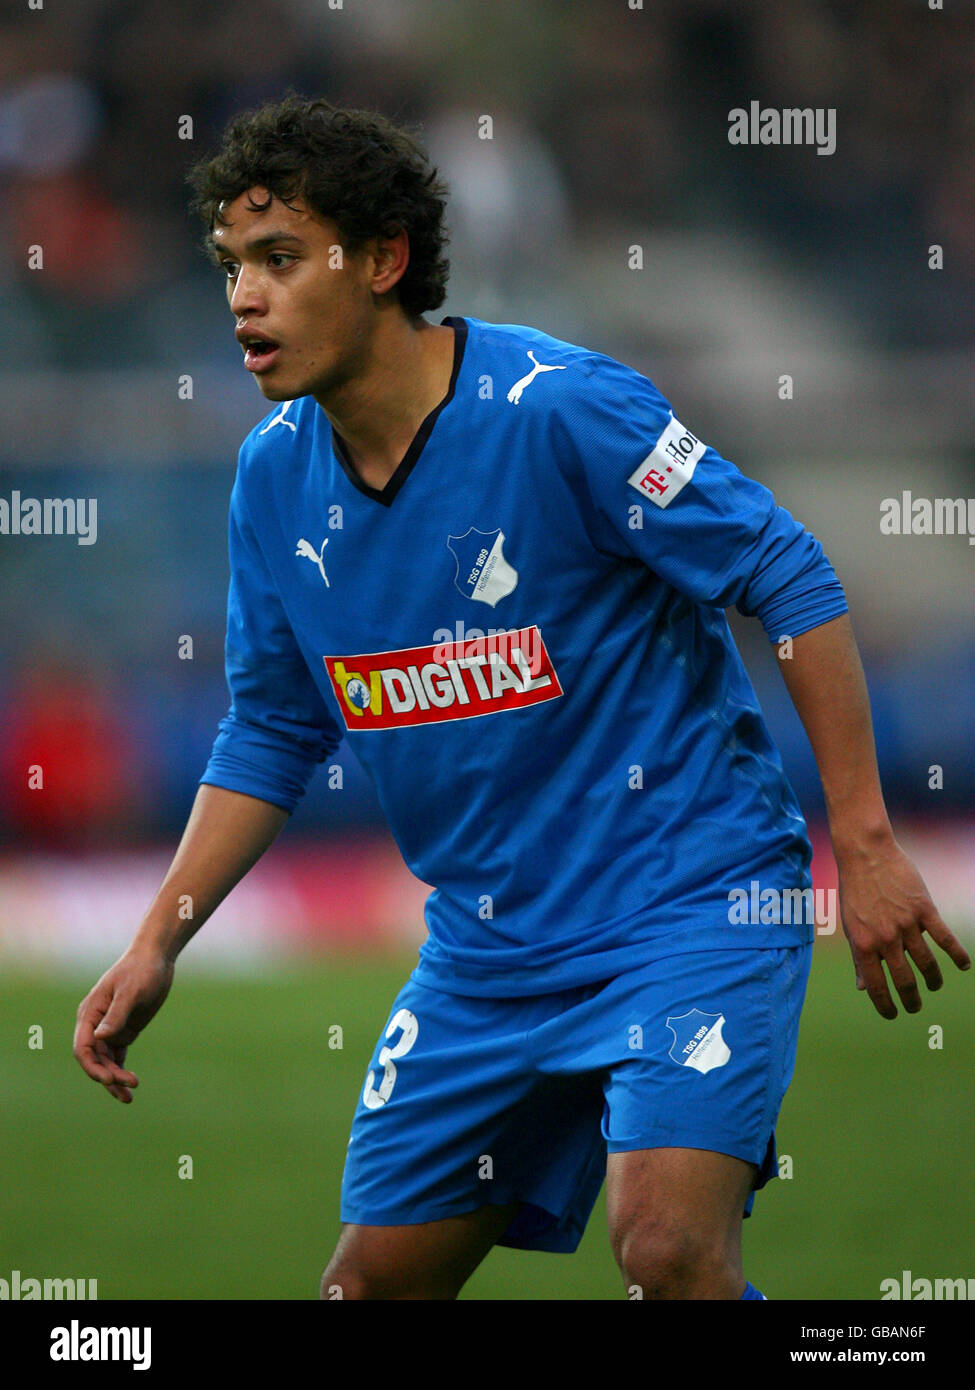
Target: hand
{"x":885,"y":909}
{"x":112,"y":1016}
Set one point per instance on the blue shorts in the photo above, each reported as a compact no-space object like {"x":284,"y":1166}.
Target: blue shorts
{"x":470,"y":1101}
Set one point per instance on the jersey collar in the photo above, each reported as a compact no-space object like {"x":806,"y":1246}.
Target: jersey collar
{"x":406,"y":465}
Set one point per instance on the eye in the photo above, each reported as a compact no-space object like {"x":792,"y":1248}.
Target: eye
{"x":229,"y":268}
{"x":280,"y":256}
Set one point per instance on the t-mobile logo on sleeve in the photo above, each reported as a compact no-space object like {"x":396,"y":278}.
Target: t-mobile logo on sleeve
{"x":669,"y":466}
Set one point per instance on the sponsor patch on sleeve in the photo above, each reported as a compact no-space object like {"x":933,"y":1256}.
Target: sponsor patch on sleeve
{"x":669,"y":466}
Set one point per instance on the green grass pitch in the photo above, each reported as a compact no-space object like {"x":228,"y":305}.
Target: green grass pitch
{"x":238,"y":1075}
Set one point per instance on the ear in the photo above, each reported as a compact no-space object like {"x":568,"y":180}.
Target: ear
{"x":390,"y":259}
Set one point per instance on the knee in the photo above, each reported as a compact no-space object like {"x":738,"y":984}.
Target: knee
{"x":666,"y":1260}
{"x":347,"y":1279}
{"x":338,"y":1284}
{"x":341,"y":1282}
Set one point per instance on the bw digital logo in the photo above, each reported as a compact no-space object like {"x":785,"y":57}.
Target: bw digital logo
{"x":388,"y":690}
{"x":357,"y":692}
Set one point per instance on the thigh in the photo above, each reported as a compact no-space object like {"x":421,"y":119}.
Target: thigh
{"x":712,"y":1045}
{"x":698,"y":1192}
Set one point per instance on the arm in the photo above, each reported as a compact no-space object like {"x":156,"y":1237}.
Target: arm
{"x":267,"y":747}
{"x":884,"y":905}
{"x":719,"y":538}
{"x":227,"y":832}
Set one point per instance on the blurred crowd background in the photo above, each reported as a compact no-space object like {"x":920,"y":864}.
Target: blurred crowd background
{"x":609,"y":131}
{"x":788,"y":306}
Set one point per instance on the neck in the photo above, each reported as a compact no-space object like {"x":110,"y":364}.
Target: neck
{"x":404,"y":374}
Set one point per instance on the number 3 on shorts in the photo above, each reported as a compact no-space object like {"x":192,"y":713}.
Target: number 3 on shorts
{"x":373,"y":1098}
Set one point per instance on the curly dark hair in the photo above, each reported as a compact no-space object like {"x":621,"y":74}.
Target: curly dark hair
{"x":367,"y":175}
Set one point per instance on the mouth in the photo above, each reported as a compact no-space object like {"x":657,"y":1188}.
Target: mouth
{"x":260,"y":354}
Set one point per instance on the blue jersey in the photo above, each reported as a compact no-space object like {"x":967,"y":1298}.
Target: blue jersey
{"x":522,"y":637}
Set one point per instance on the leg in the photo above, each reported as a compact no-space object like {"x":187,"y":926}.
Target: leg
{"x":432,"y":1260}
{"x":455,"y":1135}
{"x":676,"y":1196}
{"x":675,"y":1220}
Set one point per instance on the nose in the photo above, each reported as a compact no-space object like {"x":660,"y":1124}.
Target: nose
{"x":246,"y":295}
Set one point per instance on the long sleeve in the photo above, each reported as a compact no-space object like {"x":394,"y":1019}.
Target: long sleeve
{"x":278,"y":728}
{"x":660,"y":494}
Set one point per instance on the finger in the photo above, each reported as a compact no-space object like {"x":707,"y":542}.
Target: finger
{"x":94,"y":1004}
{"x":89,"y":1015}
{"x":922,"y":956}
{"x":120,"y":1093}
{"x":903,"y":978}
{"x":113,"y":1051}
{"x":106,"y":1073}
{"x":87,"y":1048}
{"x":856,"y":968}
{"x":946,"y":939}
{"x":91,"y":1057}
{"x":92,"y":1067}
{"x":114,"y":1022}
{"x":109,"y":1059}
{"x":876,"y":985}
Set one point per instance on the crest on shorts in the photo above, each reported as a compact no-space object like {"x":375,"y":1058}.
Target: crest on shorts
{"x":697,"y":1040}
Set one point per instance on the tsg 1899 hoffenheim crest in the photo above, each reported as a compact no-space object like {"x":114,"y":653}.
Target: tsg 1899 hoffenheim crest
{"x":482,"y":571}
{"x":697,"y":1040}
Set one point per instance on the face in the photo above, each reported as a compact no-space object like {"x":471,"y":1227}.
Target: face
{"x":303,"y":321}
